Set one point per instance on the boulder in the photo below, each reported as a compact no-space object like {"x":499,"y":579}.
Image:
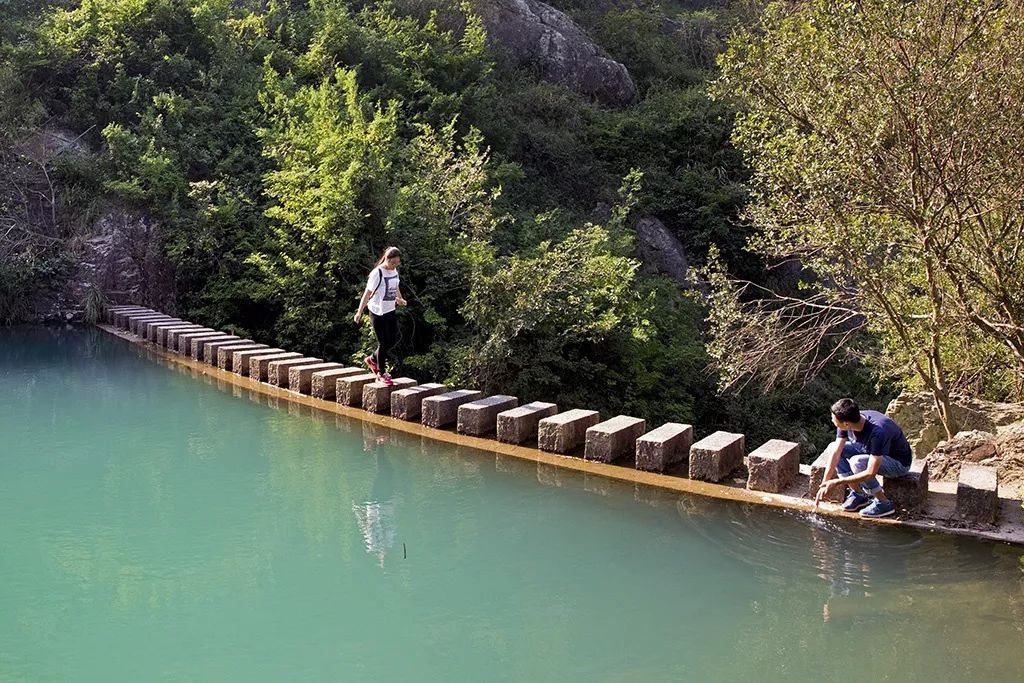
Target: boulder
{"x":915,"y":412}
{"x":660,"y":251}
{"x":973,"y":446}
{"x":536,"y":34}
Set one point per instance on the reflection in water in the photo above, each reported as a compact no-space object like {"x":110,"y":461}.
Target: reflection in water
{"x":377,"y":516}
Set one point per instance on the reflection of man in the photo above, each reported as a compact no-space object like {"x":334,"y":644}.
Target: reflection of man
{"x":867,"y":444}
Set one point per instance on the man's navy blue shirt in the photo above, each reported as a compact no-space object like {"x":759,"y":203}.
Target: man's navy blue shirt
{"x":880,"y":436}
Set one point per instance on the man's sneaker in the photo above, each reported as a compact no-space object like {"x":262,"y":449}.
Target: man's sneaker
{"x":856,"y":501}
{"x":880,"y":508}
{"x":372,"y":364}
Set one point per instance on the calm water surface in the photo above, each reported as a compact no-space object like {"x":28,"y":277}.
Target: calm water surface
{"x":156,"y":526}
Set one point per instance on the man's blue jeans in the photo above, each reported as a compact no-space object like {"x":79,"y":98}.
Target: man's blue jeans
{"x":854,"y":459}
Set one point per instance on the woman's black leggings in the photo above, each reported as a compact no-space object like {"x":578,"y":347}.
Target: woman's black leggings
{"x":386,"y":328}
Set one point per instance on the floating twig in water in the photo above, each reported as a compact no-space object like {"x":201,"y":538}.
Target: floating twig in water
{"x":405,"y":555}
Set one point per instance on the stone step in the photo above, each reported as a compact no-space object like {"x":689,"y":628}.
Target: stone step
{"x":443,"y":410}
{"x":149,"y":332}
{"x":566,"y":431}
{"x":200,"y":347}
{"x":136,"y":325}
{"x":478,"y":418}
{"x":236,"y":358}
{"x":259,"y":363}
{"x":659,"y":449}
{"x":838,"y":494}
{"x":910,"y":491}
{"x":977,"y":497}
{"x":112,"y":312}
{"x":377,"y":395}
{"x":773,"y":466}
{"x":163,"y":333}
{"x":519,"y":425}
{"x":407,"y":404}
{"x":613,"y":439}
{"x":300,"y":379}
{"x":211,"y":349}
{"x":348,"y":390}
{"x":121,"y":318}
{"x":714,"y":457}
{"x":129,"y":319}
{"x":278,"y":370}
{"x":188,"y":340}
{"x":325,"y":384}
{"x":174,"y":335}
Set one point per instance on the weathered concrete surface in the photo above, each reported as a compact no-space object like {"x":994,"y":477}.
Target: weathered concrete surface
{"x":236,"y":357}
{"x":277,"y":370}
{"x":200,"y":346}
{"x":348,"y":390}
{"x":909,"y":492}
{"x":773,"y":466}
{"x":613,"y":439}
{"x":300,"y":379}
{"x":481,"y":417}
{"x":185,"y":341}
{"x":163,"y":334}
{"x":377,"y":395}
{"x":407,"y":404}
{"x":174,"y":336}
{"x":259,"y":363}
{"x":977,"y":500}
{"x":519,"y":425}
{"x":838,"y":494}
{"x":149,"y":331}
{"x":566,"y":431}
{"x":324,"y":384}
{"x":714,"y":457}
{"x":443,"y":409}
{"x":211,"y":348}
{"x":659,"y":449}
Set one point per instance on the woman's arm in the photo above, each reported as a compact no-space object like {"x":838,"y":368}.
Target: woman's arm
{"x":399,"y":299}
{"x":362,"y":304}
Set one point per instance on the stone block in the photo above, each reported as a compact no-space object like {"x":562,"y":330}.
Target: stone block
{"x":773,"y":466}
{"x":443,"y":409}
{"x":714,"y":457}
{"x":174,"y":335}
{"x":377,"y":395}
{"x":259,"y":363}
{"x":136,"y":325}
{"x":211,"y":348}
{"x":659,"y":449}
{"x":613,"y":439}
{"x":348,"y":390}
{"x":112,"y":311}
{"x":277,"y":370}
{"x":910,"y":491}
{"x":200,"y":348}
{"x":838,"y":494}
{"x":407,"y":404}
{"x":977,"y":493}
{"x":149,"y":329}
{"x":519,"y":425}
{"x":235,"y":357}
{"x":300,"y":378}
{"x":185,"y":341}
{"x":324,"y":384}
{"x":566,"y":431}
{"x":478,"y":418}
{"x":162,"y":333}
{"x":121,"y":317}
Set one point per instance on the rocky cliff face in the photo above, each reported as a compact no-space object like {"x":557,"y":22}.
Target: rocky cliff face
{"x":532,"y":32}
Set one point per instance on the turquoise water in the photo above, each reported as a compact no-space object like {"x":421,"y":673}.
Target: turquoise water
{"x":157,"y":526}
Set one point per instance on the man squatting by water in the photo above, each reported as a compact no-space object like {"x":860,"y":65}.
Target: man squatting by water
{"x":380,"y":296}
{"x":867,"y":444}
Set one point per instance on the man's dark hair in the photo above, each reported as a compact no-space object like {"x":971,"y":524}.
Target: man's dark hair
{"x":846,"y":410}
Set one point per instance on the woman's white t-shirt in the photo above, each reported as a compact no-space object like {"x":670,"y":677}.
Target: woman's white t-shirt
{"x":384,"y":285}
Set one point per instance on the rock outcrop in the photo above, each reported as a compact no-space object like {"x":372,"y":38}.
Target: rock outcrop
{"x":660,"y":251}
{"x":534,"y":33}
{"x":915,"y":412}
{"x":1004,"y":451}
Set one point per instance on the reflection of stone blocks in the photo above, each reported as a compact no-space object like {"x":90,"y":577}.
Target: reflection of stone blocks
{"x":613,"y":439}
{"x":520,"y":424}
{"x":659,"y":449}
{"x":977,"y":497}
{"x":377,"y":395}
{"x":259,"y":364}
{"x":225,"y":359}
{"x":838,"y":494}
{"x":278,"y":370}
{"x":348,"y":390}
{"x":714,"y":457}
{"x":910,"y":491}
{"x":773,"y":466}
{"x":566,"y":431}
{"x":443,"y":409}
{"x":407,"y":404}
{"x":300,"y":379}
{"x":481,"y":417}
{"x":324,"y":384}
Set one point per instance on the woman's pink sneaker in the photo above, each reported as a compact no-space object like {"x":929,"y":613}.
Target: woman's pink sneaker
{"x":370,"y":363}
{"x":386,"y":378}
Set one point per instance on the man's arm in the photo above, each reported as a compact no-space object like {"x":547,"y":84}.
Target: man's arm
{"x":827,"y":482}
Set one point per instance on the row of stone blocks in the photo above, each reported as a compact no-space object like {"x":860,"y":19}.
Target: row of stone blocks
{"x":772,"y":467}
